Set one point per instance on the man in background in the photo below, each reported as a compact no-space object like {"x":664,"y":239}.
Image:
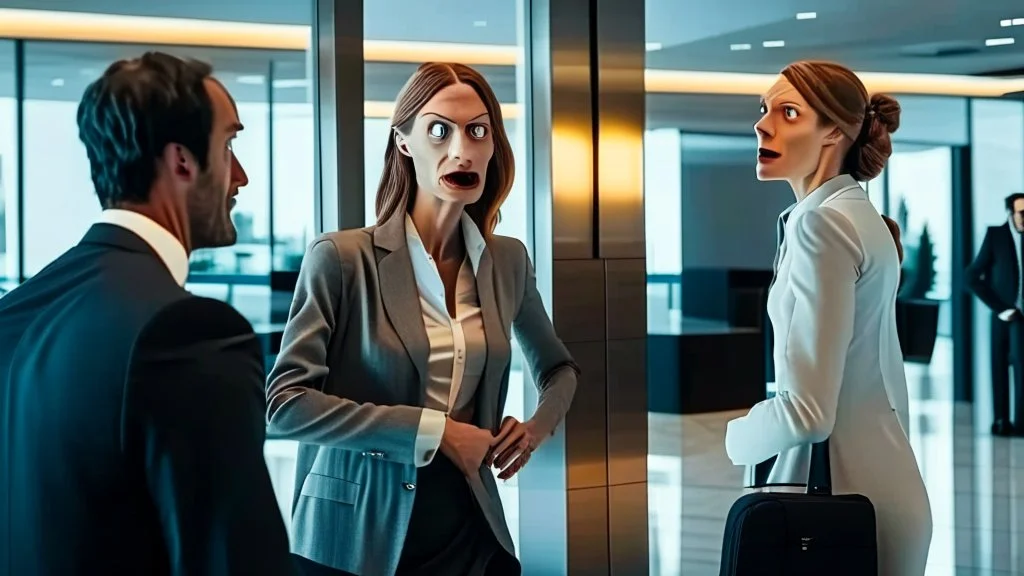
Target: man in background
{"x":997,"y":277}
{"x":132,"y":412}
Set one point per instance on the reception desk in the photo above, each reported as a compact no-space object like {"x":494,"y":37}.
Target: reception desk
{"x":696,"y":366}
{"x":711,"y":350}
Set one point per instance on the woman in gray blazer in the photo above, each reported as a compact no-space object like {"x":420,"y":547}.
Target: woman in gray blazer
{"x":394,"y":366}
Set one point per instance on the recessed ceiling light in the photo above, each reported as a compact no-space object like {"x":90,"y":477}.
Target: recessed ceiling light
{"x":1006,"y":23}
{"x":57,"y":82}
{"x":1018,"y":21}
{"x":292,"y":83}
{"x":253,"y":79}
{"x":999,"y":41}
{"x":773,"y":43}
{"x":652,"y":46}
{"x":806,"y":15}
{"x":735,"y":47}
{"x":480,"y":23}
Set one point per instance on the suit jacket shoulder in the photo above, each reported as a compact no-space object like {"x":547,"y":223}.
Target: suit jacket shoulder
{"x":349,"y":242}
{"x":512,"y":266}
{"x":509,"y":251}
{"x":190,"y":320}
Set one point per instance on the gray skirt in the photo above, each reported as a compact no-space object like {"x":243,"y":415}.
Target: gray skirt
{"x":447,"y":534}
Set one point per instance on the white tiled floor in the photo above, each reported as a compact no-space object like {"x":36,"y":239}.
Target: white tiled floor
{"x":975,"y":483}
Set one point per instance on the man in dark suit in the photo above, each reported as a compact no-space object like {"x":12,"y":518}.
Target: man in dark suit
{"x":131,"y":412}
{"x":996,"y":277}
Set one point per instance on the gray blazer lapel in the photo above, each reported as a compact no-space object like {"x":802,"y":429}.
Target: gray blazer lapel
{"x":398,"y":291}
{"x":499,"y":350}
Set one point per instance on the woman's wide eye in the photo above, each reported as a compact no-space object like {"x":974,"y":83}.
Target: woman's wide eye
{"x":438,"y":130}
{"x":478,"y":131}
{"x":763,"y":109}
{"x":791,"y":113}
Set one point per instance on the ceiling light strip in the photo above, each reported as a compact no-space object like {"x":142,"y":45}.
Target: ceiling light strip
{"x":85,"y":27}
{"x":733,"y":83}
{"x":73,"y":26}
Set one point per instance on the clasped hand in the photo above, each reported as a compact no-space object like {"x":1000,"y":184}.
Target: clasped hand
{"x":469,"y":447}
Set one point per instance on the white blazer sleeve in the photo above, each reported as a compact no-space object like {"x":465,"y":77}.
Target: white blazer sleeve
{"x":825,"y":262}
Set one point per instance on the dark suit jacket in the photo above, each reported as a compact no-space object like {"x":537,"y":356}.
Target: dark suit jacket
{"x":131,"y":424}
{"x":992,"y":277}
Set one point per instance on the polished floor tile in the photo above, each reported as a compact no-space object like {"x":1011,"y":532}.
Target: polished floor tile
{"x":975,"y":484}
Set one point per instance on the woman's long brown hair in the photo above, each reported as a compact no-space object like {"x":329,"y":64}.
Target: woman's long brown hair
{"x":398,"y":180}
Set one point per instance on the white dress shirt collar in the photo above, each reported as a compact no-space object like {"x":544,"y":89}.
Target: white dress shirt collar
{"x":475,"y":243}
{"x":167,"y":247}
{"x":822,"y":193}
{"x":458,"y":346}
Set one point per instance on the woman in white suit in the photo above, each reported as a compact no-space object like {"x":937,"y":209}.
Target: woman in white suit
{"x":838,"y":364}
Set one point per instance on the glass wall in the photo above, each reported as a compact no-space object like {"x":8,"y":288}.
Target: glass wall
{"x":290,"y":159}
{"x":997,"y":158}
{"x":8,"y":168}
{"x":500,"y":27}
{"x":275,"y":211}
{"x":920,"y":181}
{"x":272,"y":94}
{"x":919,"y":178}
{"x":663,"y":212}
{"x":997,"y":170}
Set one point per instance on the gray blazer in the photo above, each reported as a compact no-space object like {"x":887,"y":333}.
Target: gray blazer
{"x":350,"y":384}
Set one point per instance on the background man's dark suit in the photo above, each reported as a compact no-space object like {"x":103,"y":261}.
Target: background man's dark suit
{"x":131,"y":424}
{"x":994,"y":278}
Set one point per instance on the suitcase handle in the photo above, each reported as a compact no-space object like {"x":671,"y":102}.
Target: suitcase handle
{"x":819,"y":477}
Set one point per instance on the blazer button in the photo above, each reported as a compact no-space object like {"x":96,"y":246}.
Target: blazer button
{"x":409,"y":486}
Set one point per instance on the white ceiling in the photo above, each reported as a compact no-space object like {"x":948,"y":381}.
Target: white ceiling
{"x":933,"y":36}
{"x":866,"y":34}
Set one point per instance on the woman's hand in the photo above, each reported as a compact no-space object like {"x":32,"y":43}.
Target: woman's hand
{"x":515,"y":443}
{"x":466,"y":445}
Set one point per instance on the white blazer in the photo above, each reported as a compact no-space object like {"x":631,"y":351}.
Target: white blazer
{"x":839,"y":369}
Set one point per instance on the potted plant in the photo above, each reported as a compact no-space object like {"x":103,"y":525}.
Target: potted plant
{"x":917,"y":316}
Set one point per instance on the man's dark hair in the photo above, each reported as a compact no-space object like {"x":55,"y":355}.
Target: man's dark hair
{"x":128,"y":117}
{"x":1013,"y":198}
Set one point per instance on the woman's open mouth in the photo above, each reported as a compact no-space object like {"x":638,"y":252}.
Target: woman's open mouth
{"x":461,"y":180}
{"x":766,"y":155}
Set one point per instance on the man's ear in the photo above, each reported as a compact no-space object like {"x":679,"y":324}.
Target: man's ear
{"x":402,"y":143}
{"x":180,"y":162}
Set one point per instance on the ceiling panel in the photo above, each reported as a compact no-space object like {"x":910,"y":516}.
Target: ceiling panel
{"x":922,"y":36}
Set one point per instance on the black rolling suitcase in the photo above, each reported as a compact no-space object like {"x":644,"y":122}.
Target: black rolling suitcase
{"x":800,"y":534}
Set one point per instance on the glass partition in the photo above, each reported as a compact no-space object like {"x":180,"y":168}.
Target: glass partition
{"x":9,"y":271}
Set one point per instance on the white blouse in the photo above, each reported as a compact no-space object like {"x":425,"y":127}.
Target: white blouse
{"x":458,"y":346}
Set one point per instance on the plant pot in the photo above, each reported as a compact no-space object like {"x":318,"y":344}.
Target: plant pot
{"x":917,"y":323}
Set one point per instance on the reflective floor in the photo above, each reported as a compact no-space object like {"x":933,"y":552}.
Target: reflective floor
{"x":975,"y":483}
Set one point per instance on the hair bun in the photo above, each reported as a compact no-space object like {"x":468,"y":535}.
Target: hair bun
{"x":887,"y":111}
{"x":883,"y":118}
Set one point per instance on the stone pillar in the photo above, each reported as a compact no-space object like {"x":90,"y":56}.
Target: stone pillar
{"x":583,"y":499}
